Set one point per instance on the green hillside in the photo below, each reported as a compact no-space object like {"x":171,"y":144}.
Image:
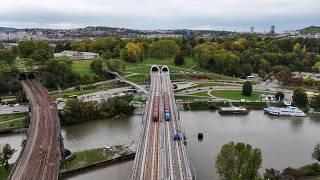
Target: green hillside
{"x":311,"y":29}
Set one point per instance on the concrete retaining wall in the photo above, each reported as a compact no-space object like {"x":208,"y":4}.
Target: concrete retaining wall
{"x":65,"y":173}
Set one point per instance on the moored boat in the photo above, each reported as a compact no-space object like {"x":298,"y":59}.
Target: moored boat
{"x":233,"y":110}
{"x":287,"y":111}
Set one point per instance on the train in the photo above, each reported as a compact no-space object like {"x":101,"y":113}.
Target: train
{"x":166,"y":102}
{"x":155,"y":110}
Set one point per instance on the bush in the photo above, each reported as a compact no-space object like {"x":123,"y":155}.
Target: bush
{"x":300,"y":98}
{"x":179,"y":59}
{"x":247,"y":89}
{"x":279,"y":95}
{"x":310,"y":170}
{"x":77,"y":111}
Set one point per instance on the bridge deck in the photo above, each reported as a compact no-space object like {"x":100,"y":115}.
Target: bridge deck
{"x":41,"y":156}
{"x":158,"y":155}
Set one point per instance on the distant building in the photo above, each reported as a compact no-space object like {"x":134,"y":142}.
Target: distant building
{"x":272,"y":30}
{"x":77,"y":55}
{"x":252,"y":29}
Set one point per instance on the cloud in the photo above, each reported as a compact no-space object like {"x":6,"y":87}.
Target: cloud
{"x":155,"y":14}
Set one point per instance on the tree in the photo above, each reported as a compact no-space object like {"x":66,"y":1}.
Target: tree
{"x":179,"y":59}
{"x":97,"y":66}
{"x":7,"y":152}
{"x":7,"y":56}
{"x":39,"y":51}
{"x":316,"y":152}
{"x":164,"y":49}
{"x":132,"y":52}
{"x":300,"y":97}
{"x":59,"y":47}
{"x":315,"y":102}
{"x":238,"y":161}
{"x":26,"y":48}
{"x":279,"y":96}
{"x":272,"y":174}
{"x":58,"y":73}
{"x":263,"y":74}
{"x":247,"y":88}
{"x":212,"y":57}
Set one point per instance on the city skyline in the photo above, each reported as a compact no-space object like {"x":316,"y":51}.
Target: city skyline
{"x":230,"y":15}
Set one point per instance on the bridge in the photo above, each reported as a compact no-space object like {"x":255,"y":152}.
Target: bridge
{"x":121,"y":79}
{"x":41,"y":155}
{"x":161,"y":152}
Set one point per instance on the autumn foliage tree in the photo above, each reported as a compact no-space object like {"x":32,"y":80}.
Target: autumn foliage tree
{"x":133,"y":52}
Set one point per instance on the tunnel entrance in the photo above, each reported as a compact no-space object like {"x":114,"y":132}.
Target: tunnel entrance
{"x":31,"y":76}
{"x":165,"y":69}
{"x":22,"y":76}
{"x":154,"y":69}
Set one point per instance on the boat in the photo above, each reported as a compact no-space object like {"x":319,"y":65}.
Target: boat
{"x":233,"y":110}
{"x":287,"y":111}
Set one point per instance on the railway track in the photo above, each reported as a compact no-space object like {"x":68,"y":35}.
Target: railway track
{"x":146,"y":165}
{"x":181,"y":164}
{"x":41,"y":156}
{"x":159,"y":156}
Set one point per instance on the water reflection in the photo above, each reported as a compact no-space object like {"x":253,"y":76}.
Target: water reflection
{"x":284,"y":141}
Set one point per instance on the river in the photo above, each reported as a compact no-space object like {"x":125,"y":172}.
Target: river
{"x":284,"y":141}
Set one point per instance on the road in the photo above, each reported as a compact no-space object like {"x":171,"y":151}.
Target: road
{"x":41,"y":156}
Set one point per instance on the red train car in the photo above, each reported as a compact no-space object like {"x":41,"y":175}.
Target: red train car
{"x":166,"y":102}
{"x":155,"y":110}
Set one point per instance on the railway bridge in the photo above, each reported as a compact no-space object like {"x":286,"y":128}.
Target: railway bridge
{"x":161,"y":152}
{"x":43,"y":151}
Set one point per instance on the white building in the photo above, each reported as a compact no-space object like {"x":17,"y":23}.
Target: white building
{"x":77,"y":55}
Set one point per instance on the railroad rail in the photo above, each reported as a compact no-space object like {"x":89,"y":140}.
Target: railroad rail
{"x":161,"y":152}
{"x":40,"y":158}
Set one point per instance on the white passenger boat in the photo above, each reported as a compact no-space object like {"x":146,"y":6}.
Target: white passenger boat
{"x":287,"y":111}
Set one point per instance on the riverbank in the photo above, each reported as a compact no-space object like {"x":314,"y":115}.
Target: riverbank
{"x":93,"y":158}
{"x":201,"y":105}
{"x":3,"y":173}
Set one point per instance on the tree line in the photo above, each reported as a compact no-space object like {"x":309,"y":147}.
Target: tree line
{"x":76,"y":111}
{"x":238,"y":56}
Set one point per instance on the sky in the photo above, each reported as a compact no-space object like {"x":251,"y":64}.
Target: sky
{"x":234,"y":15}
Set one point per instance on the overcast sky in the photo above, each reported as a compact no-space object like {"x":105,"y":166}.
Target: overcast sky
{"x":236,"y":15}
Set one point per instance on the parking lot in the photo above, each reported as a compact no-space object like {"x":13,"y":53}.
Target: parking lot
{"x":17,"y":108}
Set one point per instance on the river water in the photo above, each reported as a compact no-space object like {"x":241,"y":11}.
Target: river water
{"x":284,"y":141}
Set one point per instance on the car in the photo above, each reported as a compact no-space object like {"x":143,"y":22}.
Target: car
{"x":16,"y":110}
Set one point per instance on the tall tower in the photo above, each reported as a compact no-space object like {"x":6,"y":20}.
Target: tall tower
{"x":252,"y":29}
{"x":272,"y":31}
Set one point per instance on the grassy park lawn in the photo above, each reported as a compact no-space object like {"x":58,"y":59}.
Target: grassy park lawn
{"x":9,"y":117}
{"x":236,"y":95}
{"x":82,"y":67}
{"x":138,"y":78}
{"x":183,"y":97}
{"x":3,"y":173}
{"x":83,"y":158}
{"x":203,"y":94}
{"x":12,"y":121}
